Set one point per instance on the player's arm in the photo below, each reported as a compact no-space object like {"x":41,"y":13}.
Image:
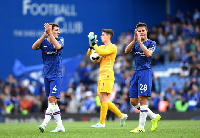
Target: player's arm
{"x":36,"y":45}
{"x":129,"y":48}
{"x":147,"y":52}
{"x":55,"y":42}
{"x":103,"y":52}
{"x":89,"y":52}
{"x":52,"y":38}
{"x":90,"y":49}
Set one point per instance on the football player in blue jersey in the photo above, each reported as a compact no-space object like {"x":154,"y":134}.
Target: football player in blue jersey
{"x":141,"y":82}
{"x":52,"y":48}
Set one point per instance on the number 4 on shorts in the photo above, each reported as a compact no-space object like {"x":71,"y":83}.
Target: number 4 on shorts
{"x":54,"y":88}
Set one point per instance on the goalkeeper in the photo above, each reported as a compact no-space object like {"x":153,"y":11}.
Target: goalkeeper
{"x":108,"y":51}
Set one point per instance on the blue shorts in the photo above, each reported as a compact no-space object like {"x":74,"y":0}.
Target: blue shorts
{"x":53,"y":86}
{"x":141,"y":83}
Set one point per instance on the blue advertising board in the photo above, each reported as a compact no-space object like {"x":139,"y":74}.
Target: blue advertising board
{"x":34,"y":73}
{"x":22,"y":23}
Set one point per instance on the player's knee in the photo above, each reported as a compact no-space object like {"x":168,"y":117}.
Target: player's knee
{"x":134,"y":103}
{"x":52,"y":99}
{"x":142,"y":100}
{"x":103,"y":97}
{"x":102,"y":100}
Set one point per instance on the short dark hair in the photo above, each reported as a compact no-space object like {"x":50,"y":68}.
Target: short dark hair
{"x":53,"y":25}
{"x":109,"y":32}
{"x":140,"y":24}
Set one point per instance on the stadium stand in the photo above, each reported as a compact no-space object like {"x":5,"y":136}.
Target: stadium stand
{"x":176,"y":67}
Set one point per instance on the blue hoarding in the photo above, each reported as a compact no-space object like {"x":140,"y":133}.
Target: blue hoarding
{"x":22,"y":24}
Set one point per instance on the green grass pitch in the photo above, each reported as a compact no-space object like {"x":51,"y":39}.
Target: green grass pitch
{"x":166,"y":128}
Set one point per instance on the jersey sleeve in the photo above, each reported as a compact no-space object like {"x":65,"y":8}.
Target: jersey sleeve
{"x":89,"y":52}
{"x":107,"y":51}
{"x":152,"y":46}
{"x":133,"y":48}
{"x":61,"y":41}
{"x":41,"y":45}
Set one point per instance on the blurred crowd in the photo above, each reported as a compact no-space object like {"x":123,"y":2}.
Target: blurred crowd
{"x":178,"y":40}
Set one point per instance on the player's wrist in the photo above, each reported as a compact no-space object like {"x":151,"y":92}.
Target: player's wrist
{"x":94,"y":43}
{"x":50,"y":34}
{"x":44,"y":36}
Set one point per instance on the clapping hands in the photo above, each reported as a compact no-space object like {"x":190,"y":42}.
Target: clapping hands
{"x":137,"y":36}
{"x":48,"y":29}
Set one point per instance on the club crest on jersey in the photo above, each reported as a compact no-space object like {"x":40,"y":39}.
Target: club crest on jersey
{"x":103,"y":86}
{"x":62,"y":40}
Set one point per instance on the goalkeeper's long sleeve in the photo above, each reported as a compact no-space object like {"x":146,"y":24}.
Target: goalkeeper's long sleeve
{"x":107,"y":51}
{"x":89,"y":52}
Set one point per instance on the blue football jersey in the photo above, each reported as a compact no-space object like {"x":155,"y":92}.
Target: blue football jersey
{"x":141,"y":61}
{"x":52,"y":58}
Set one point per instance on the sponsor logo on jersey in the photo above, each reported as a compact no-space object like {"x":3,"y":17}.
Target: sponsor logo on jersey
{"x":52,"y":52}
{"x":140,"y":53}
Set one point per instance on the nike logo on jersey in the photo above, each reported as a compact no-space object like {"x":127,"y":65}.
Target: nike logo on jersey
{"x":152,"y":48}
{"x":45,"y":46}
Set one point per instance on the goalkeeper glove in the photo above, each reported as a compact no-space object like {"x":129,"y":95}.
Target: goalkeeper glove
{"x":91,"y":46}
{"x":92,"y":38}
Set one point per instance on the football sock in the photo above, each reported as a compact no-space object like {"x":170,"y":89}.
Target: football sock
{"x":143,"y":115}
{"x":103,"y":113}
{"x":151,"y":114}
{"x":112,"y":107}
{"x":51,"y":107}
{"x":57,"y":115}
{"x":137,"y":106}
{"x":48,"y":114}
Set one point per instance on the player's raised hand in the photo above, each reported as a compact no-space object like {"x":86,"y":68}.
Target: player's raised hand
{"x":90,"y":43}
{"x":135,"y":35}
{"x":92,"y":38}
{"x":48,"y":28}
{"x":139,"y":37}
{"x":91,"y":33}
{"x":45,"y":32}
{"x":46,"y":25}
